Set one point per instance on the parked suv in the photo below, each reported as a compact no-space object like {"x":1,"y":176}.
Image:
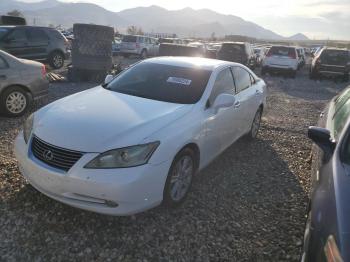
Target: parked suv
{"x":281,"y":59}
{"x":35,"y":43}
{"x":237,"y":52}
{"x":139,"y":45}
{"x":331,"y":61}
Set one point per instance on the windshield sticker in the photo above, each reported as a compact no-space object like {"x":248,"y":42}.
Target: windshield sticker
{"x":178,"y":80}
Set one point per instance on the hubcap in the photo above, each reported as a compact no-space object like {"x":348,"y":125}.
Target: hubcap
{"x":57,"y":60}
{"x":181,"y":178}
{"x":256,"y":124}
{"x":16,"y":102}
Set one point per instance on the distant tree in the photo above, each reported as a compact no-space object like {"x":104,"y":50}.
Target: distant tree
{"x":15,"y":13}
{"x":140,"y":31}
{"x":134,"y":30}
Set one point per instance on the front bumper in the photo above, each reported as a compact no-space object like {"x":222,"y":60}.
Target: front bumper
{"x":123,"y":191}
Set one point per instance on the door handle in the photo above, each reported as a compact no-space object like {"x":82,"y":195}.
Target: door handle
{"x":237,"y":104}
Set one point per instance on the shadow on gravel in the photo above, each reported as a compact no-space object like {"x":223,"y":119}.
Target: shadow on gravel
{"x":246,"y":206}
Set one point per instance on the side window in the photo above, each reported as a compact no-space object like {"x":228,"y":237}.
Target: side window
{"x":242,"y":78}
{"x":141,"y":40}
{"x":223,"y":84}
{"x":18,"y":35}
{"x":3,"y":63}
{"x":37,"y":35}
{"x":339,"y":119}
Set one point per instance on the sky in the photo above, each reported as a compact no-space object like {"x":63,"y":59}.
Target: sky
{"x":315,"y":18}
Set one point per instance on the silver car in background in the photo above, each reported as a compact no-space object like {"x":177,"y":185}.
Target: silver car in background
{"x":21,"y":81}
{"x":143,"y":46}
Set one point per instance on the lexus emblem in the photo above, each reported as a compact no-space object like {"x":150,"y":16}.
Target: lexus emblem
{"x":48,"y":155}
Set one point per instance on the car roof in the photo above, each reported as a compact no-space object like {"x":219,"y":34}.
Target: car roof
{"x":189,"y":62}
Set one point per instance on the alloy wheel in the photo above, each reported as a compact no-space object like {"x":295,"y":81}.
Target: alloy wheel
{"x":16,"y":102}
{"x":181,"y":178}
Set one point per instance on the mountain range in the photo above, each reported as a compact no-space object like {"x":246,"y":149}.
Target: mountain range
{"x":186,"y":22}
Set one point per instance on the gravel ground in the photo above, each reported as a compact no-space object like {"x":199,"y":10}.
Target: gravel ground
{"x":248,"y":205}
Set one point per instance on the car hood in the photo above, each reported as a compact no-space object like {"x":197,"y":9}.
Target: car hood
{"x":98,"y":120}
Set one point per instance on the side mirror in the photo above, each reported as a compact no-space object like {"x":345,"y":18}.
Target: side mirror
{"x":108,"y":79}
{"x":322,"y":138}
{"x":223,"y":101}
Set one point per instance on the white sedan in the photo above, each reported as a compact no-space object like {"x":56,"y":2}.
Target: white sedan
{"x":137,"y":141}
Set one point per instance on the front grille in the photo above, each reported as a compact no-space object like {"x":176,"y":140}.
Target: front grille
{"x":54,"y":156}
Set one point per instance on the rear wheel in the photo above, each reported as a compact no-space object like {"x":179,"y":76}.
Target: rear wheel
{"x":254,"y":129}
{"x":56,"y":60}
{"x":180,"y":177}
{"x":14,"y":101}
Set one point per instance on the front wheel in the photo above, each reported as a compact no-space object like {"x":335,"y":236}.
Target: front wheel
{"x":144,"y":54}
{"x":180,"y":177}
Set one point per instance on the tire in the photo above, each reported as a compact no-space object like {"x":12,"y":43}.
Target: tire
{"x":14,"y":101}
{"x":293,"y":74}
{"x":171,"y":197}
{"x":144,"y":54}
{"x":91,"y":62}
{"x":56,"y":59}
{"x":254,"y":129}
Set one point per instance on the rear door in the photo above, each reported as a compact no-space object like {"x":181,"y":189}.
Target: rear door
{"x":38,"y":42}
{"x":16,"y":43}
{"x":246,"y":98}
{"x":7,"y":75}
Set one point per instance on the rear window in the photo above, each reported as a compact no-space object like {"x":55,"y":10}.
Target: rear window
{"x":129,"y":38}
{"x":335,"y":55}
{"x":281,"y":51}
{"x":232,"y":48}
{"x":3,"y":31}
{"x":161,"y":82}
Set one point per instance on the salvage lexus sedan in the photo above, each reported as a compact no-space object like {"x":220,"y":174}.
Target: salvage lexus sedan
{"x":137,"y":141}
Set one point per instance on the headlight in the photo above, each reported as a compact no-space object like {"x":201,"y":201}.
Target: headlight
{"x":124,"y":157}
{"x":27,"y":127}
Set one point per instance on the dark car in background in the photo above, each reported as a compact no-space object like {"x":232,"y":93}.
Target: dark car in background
{"x":327,"y":232}
{"x":331,"y":62}
{"x":238,"y":52}
{"x":35,"y":43}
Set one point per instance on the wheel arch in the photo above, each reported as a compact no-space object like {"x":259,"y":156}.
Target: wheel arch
{"x":195,"y":148}
{"x":25,"y":88}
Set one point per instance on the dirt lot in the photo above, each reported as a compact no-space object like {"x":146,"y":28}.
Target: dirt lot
{"x":248,"y":205}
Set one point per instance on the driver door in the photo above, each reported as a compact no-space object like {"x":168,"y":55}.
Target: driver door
{"x":221,"y":126}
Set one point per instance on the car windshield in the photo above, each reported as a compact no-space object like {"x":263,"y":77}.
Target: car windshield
{"x":161,"y":82}
{"x":3,"y":31}
{"x":129,"y":38}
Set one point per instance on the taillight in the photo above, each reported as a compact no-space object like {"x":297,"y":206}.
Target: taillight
{"x":331,"y":250}
{"x":43,"y":71}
